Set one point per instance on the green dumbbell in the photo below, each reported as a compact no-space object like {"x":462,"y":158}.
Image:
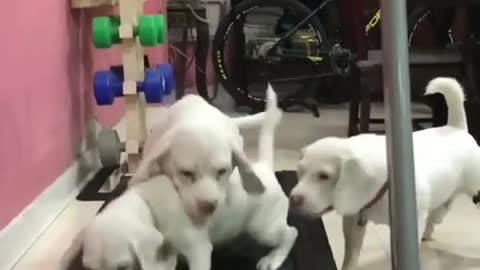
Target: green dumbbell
{"x":151,"y":31}
{"x":105,"y":31}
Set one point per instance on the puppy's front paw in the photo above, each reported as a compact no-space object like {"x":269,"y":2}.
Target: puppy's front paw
{"x":270,"y":262}
{"x":427,"y":237}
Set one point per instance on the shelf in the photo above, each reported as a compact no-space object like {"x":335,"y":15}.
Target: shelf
{"x":92,"y":3}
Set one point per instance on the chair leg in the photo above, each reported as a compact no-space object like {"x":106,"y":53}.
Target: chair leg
{"x":353,"y":117}
{"x":365,"y":107}
{"x":470,"y":55}
{"x":354,"y":107}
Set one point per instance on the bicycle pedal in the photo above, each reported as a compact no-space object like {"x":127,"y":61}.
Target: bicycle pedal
{"x":340,"y":59}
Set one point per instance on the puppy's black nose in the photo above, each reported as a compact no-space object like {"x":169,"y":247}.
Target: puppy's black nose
{"x":296,"y":200}
{"x":207,"y":207}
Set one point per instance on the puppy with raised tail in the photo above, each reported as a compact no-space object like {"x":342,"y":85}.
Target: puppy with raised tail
{"x":349,"y":175}
{"x":154,"y":220}
{"x":261,"y":215}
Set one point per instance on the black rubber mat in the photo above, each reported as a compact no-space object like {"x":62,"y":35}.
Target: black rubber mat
{"x":91,"y":191}
{"x":311,"y":251}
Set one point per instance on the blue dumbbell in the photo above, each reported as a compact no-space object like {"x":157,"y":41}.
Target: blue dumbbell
{"x":167,"y":70}
{"x":168,"y":73}
{"x":108,"y":85}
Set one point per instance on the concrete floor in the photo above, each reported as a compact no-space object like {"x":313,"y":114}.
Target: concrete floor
{"x":456,"y":244}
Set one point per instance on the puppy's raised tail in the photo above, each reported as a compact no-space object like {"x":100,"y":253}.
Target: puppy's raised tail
{"x":249,"y":121}
{"x":451,"y":89}
{"x":272,"y":117}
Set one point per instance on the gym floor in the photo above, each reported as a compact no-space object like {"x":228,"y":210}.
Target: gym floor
{"x":456,"y":243}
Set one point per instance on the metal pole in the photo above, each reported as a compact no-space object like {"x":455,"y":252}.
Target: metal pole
{"x":403,"y":214}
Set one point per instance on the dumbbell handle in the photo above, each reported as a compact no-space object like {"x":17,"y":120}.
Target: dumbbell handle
{"x":123,"y":148}
{"x":109,"y":84}
{"x":118,"y":87}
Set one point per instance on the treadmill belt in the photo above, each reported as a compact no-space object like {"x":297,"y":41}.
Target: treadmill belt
{"x":310,"y":252}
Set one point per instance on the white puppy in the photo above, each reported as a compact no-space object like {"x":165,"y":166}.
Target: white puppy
{"x":123,"y":236}
{"x":262,"y":215}
{"x":349,"y":175}
{"x":198,"y":146}
{"x":126,"y":234}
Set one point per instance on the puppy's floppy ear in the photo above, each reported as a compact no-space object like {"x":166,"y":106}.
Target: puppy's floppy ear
{"x":151,"y":163}
{"x":353,"y":188}
{"x":250,"y":181}
{"x":147,"y":249}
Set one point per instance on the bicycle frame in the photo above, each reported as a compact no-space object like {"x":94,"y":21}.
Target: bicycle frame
{"x":296,"y":27}
{"x":372,"y":23}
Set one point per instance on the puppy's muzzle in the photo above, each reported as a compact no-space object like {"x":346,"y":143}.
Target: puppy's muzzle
{"x":206,"y":207}
{"x":296,"y":201}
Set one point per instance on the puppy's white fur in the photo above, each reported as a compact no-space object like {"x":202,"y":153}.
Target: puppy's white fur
{"x":186,"y":236}
{"x":347,"y":173}
{"x":123,"y":236}
{"x":197,"y":146}
{"x":262,"y":215}
{"x":127,"y":233}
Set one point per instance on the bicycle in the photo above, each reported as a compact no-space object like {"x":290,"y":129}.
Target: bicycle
{"x":296,"y":23}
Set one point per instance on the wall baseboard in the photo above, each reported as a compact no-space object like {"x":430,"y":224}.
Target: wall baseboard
{"x":24,"y":230}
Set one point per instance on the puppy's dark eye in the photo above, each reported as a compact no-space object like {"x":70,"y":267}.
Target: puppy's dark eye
{"x":323,"y":176}
{"x":187,"y":174}
{"x":221,"y":172}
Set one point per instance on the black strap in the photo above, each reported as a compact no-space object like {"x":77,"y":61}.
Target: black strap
{"x":362,"y":221}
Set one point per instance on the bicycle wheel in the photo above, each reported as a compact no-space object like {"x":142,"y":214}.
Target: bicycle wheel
{"x":431,"y":28}
{"x":242,"y":50}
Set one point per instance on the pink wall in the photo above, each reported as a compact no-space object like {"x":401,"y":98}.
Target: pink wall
{"x":47,"y":64}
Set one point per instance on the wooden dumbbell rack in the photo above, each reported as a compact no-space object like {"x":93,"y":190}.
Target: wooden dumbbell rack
{"x":133,"y":68}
